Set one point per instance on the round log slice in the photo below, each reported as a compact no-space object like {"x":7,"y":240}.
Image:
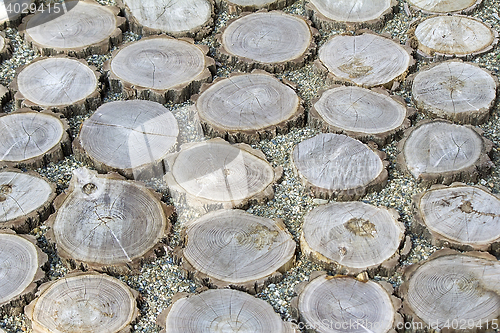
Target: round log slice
{"x":11,"y":11}
{"x":453,"y":290}
{"x":459,"y":216}
{"x":366,"y":115}
{"x":248,"y":107}
{"x":439,"y":151}
{"x":444,"y":6}
{"x":5,"y":48}
{"x":83,"y":302}
{"x":186,"y":18}
{"x":159,"y":68}
{"x":344,"y":304}
{"x":87,"y":28}
{"x":217,"y":173}
{"x":461,"y":92}
{"x":20,"y":270}
{"x":106,"y":223}
{"x":352,"y":237}
{"x":25,"y":200}
{"x":366,"y":60}
{"x":131,"y":137}
{"x":234,"y":248}
{"x":330,"y":14}
{"x":335,"y":165}
{"x":454,"y":36}
{"x":239,"y":6}
{"x":32,"y":139}
{"x":64,"y":84}
{"x":221,"y":310}
{"x":261,"y":40}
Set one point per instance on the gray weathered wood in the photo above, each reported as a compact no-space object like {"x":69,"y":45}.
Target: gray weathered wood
{"x":444,"y":6}
{"x":25,"y":200}
{"x":239,"y":6}
{"x":186,"y":18}
{"x":32,"y":139}
{"x":335,"y":165}
{"x":160,"y":69}
{"x":87,"y":28}
{"x":221,"y":310}
{"x":20,"y":270}
{"x":63,"y":84}
{"x":366,"y":115}
{"x":366,"y":60}
{"x":248,"y":107}
{"x":107,"y":223}
{"x":458,"y":91}
{"x":351,"y":237}
{"x":261,"y":40}
{"x":131,"y":137}
{"x":83,"y":302}
{"x":11,"y":12}
{"x":453,"y":36}
{"x":439,"y":151}
{"x":216,"y":173}
{"x":5,"y":47}
{"x":233,"y":248}
{"x":451,"y":287}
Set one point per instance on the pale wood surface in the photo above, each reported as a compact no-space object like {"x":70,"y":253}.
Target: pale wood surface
{"x":335,"y":165}
{"x":367,"y":115}
{"x":20,"y":261}
{"x":32,"y":139}
{"x":221,"y":310}
{"x":444,"y":6}
{"x":439,"y":151}
{"x":461,"y":92}
{"x":248,"y":107}
{"x":179,"y":18}
{"x":367,"y":60}
{"x":453,"y":287}
{"x":234,"y":248}
{"x":25,"y":199}
{"x":12,"y":17}
{"x":261,"y":40}
{"x":456,"y":35}
{"x":215,"y":172}
{"x":238,"y":6}
{"x":352,"y":237}
{"x":132,"y":137}
{"x":64,"y":84}
{"x":83,"y":302}
{"x":159,"y":68}
{"x":87,"y":28}
{"x":106,"y":223}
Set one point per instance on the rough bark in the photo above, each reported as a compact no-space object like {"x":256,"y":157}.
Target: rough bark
{"x":239,"y":6}
{"x":5,"y":47}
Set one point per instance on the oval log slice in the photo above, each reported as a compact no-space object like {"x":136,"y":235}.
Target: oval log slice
{"x":5,"y":47}
{"x":232,"y":248}
{"x":83,"y":302}
{"x":332,"y":304}
{"x":106,"y":223}
{"x":221,"y":310}
{"x":87,"y":28}
{"x":366,"y":115}
{"x":337,"y":166}
{"x":239,"y":6}
{"x":62,"y":84}
{"x":186,"y":18}
{"x":459,"y":216}
{"x":451,"y":287}
{"x":366,"y":60}
{"x":441,"y":152}
{"x":452,"y":36}
{"x":248,"y":107}
{"x":25,"y":200}
{"x":160,"y":69}
{"x":261,"y":40}
{"x":21,"y":263}
{"x":331,"y":14}
{"x":351,"y":237}
{"x":458,"y":91}
{"x":33,"y":139}
{"x":131,"y":137}
{"x":11,"y":12}
{"x":445,"y":6}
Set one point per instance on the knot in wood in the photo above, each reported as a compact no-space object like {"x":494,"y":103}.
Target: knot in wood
{"x":5,"y":190}
{"x":89,"y":188}
{"x":356,"y":68}
{"x":259,"y":236}
{"x":466,"y":207}
{"x":361,"y":227}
